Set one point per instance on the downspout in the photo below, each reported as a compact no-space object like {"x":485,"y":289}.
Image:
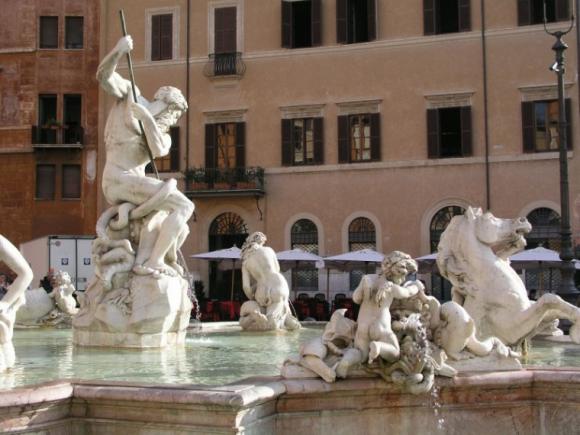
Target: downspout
{"x":187,"y":119}
{"x":575,"y":11}
{"x":485,"y":112}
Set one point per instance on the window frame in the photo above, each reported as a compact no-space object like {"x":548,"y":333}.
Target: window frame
{"x":434,"y":134}
{"x":529,"y":127}
{"x":288,"y":25}
{"x":216,"y":4}
{"x":67,"y":20}
{"x":525,"y":12}
{"x":343,"y":20}
{"x":52,"y":181}
{"x":64,"y":180}
{"x":345,"y":139}
{"x":149,"y":13}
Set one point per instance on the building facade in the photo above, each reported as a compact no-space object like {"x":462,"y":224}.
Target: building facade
{"x":334,"y":125}
{"x":48,"y":118}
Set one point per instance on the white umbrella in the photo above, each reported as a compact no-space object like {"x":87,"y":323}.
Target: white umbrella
{"x":537,"y":257}
{"x":350,"y":260}
{"x":427,"y":263}
{"x":297,"y":258}
{"x":232,"y":254}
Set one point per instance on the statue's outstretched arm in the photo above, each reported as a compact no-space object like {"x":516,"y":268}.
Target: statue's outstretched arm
{"x":111,"y":81}
{"x":159,"y":143}
{"x":18,"y":264}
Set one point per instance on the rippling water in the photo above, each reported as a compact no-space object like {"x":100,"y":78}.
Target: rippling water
{"x":214,"y":358}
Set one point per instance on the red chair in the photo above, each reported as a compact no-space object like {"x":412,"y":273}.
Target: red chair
{"x":226,"y":310}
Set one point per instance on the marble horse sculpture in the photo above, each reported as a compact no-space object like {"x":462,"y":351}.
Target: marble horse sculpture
{"x":138,"y":297}
{"x":266,"y":288}
{"x":49,"y":309}
{"x":12,"y":300}
{"x":473,"y":255}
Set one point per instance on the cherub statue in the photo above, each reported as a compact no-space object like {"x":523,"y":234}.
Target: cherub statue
{"x":62,"y":293}
{"x":12,"y":300}
{"x":265,"y":287}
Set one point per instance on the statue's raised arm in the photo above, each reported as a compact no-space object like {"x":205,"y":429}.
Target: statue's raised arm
{"x":109,"y":79}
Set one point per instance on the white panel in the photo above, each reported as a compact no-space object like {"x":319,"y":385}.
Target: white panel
{"x":63,"y":256}
{"x":85,"y":266}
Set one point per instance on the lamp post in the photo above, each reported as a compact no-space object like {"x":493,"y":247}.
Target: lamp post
{"x":567,"y":289}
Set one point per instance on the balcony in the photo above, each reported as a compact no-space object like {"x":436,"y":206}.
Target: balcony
{"x":224,"y":65}
{"x":211,"y":182}
{"x":57,"y":136}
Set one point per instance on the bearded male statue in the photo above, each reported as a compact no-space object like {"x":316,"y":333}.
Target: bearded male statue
{"x":138,"y":289}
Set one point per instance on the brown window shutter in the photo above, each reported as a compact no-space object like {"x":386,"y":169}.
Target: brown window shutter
{"x":343,"y":140}
{"x":464,"y":15}
{"x":466,"y":132}
{"x":341,"y":21}
{"x":286,"y":24}
{"x":71,"y":181}
{"x":429,"y":17}
{"x":210,"y":145}
{"x":569,"y":137}
{"x":166,"y":36}
{"x":318,"y":126}
{"x":156,"y":37}
{"x":433,"y":136}
{"x":240,"y":144}
{"x":562,"y":10}
{"x":48,"y":32}
{"x":174,"y":151}
{"x":372,"y":19}
{"x":287,"y":147}
{"x":524,"y":13}
{"x":225,"y":30}
{"x":528,"y":127}
{"x":45,"y":181}
{"x":375,"y":136}
{"x":316,"y":32}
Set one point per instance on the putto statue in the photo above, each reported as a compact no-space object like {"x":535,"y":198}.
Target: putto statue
{"x":402,"y":335}
{"x":12,"y":300}
{"x":138,"y":297}
{"x":473,"y":255}
{"x":265,"y":287}
{"x":49,"y":309}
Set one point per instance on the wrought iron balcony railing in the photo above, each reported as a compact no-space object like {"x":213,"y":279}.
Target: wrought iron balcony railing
{"x":57,"y":136}
{"x":221,"y":182}
{"x":225,"y":64}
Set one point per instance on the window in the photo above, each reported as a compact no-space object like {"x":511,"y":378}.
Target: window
{"x":73,"y":32}
{"x":301,"y":23}
{"x":224,"y":145}
{"x":361,"y":235}
{"x":48,"y":32}
{"x":47,"y":131}
{"x":449,"y":132}
{"x":355,"y":21}
{"x":302,"y":142}
{"x":225,"y":56}
{"x":359,"y":138}
{"x":162,"y":37}
{"x":304,"y":235}
{"x":72,"y":109}
{"x":532,"y":11}
{"x":45,"y":181}
{"x":446,"y":16}
{"x":71,"y":181}
{"x":540,"y":125}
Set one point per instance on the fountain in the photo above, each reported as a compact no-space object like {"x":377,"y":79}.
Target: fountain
{"x":408,"y":364}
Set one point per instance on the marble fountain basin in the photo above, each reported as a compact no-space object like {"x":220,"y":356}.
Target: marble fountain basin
{"x":226,"y":381}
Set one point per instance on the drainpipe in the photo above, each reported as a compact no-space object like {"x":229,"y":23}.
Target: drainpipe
{"x":187,"y":119}
{"x":485,"y":113}
{"x":576,"y":11}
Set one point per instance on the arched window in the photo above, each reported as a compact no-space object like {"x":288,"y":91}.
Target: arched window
{"x":545,"y":229}
{"x":546,"y":233}
{"x":361,"y":235}
{"x":440,"y":222}
{"x":440,"y":287}
{"x":304,"y":235}
{"x":226,"y":230}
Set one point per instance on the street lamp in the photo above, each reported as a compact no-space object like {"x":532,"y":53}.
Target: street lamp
{"x":567,"y":287}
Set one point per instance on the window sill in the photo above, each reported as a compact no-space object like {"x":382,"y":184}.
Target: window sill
{"x":70,"y":199}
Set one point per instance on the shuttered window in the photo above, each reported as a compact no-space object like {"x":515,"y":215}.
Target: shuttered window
{"x":71,"y":181}
{"x":540,"y":125}
{"x":45,"y":181}
{"x":359,"y":138}
{"x":170,"y":162}
{"x":162,"y":37}
{"x":301,"y":23}
{"x":225,"y":145}
{"x":532,"y":11}
{"x":446,"y":16}
{"x":48,"y":34}
{"x":302,"y":141}
{"x":225,"y":30}
{"x":449,"y":132}
{"x":355,"y":21}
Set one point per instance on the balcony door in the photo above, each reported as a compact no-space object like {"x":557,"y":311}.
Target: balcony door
{"x":225,"y":37}
{"x":225,"y":152}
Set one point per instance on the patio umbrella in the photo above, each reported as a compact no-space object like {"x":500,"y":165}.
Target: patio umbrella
{"x":298,"y":259}
{"x":538,"y":257}
{"x":350,"y":260}
{"x":427,"y":263}
{"x":232,"y":255}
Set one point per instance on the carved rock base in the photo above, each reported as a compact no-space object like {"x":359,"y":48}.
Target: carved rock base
{"x":150,"y":313}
